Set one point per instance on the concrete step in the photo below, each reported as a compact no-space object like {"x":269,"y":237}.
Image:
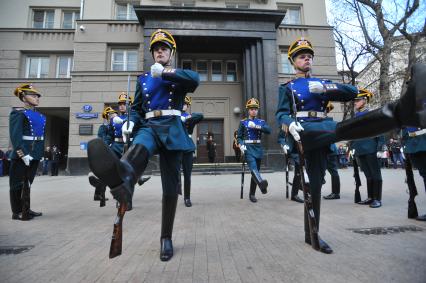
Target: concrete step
{"x":219,"y":169}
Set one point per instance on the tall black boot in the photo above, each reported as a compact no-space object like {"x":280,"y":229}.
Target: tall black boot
{"x":120,"y":175}
{"x":167,"y":219}
{"x":16,"y":203}
{"x":187,"y":192}
{"x":377,"y":198}
{"x":407,"y":111}
{"x":26,"y":201}
{"x":252,"y":192}
{"x":370,"y":189}
{"x":335,"y":188}
{"x":296,"y":186}
{"x":263,"y":184}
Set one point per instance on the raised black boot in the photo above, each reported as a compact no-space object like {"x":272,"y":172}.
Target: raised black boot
{"x":142,"y":180}
{"x":377,"y":198}
{"x":296,"y":186}
{"x":167,"y":219}
{"x":252,"y":190}
{"x":370,"y":189}
{"x":120,"y":175}
{"x":187,"y":192}
{"x":263,"y":184}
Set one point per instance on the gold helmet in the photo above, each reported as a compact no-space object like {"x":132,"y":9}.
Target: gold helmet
{"x":122,"y":98}
{"x":300,"y":44}
{"x":252,"y":103}
{"x":363,"y":93}
{"x":107,"y":111}
{"x":329,"y":107}
{"x":26,"y":88}
{"x":188,"y":100}
{"x":163,"y":36}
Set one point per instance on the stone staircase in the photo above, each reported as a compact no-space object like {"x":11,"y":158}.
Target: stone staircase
{"x":219,"y":169}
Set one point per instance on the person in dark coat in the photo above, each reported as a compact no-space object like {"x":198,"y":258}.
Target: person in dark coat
{"x":56,"y":157}
{"x":27,"y":130}
{"x":211,"y":148}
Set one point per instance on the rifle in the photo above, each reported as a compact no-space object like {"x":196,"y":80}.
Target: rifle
{"x":117,"y":234}
{"x":127,"y":145}
{"x":243,"y":169}
{"x":286,"y":176}
{"x":357,"y":197}
{"x":412,"y":207}
{"x":309,"y":208}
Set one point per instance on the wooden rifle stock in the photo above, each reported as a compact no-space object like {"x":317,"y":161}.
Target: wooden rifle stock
{"x":286,"y":176}
{"x":357,"y":197}
{"x":117,"y":235}
{"x":412,"y":207}
{"x":243,"y":169}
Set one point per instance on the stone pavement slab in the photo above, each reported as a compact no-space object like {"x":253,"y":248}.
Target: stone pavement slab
{"x":220,"y":239}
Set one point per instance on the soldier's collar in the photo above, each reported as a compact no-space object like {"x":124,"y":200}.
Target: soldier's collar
{"x":303,"y":75}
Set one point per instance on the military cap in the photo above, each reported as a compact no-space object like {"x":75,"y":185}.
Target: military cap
{"x":107,"y":111}
{"x":364,"y":94}
{"x":163,"y":36}
{"x":299,"y":45}
{"x":26,"y":88}
{"x":122,"y":98}
{"x":252,"y":103}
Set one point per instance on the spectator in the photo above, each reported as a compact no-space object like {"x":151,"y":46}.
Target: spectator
{"x":342,"y":152}
{"x":383,"y":154}
{"x":55,"y":156}
{"x":211,"y":148}
{"x":46,"y":160}
{"x":395,"y":147}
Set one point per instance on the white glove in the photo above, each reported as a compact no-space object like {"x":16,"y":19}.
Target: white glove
{"x":316,"y":87}
{"x":243,"y":148}
{"x":125,"y":130}
{"x":27,"y":158}
{"x":379,"y":155}
{"x":251,"y":124}
{"x":294,"y":130}
{"x":117,"y":120}
{"x":285,"y":148}
{"x":352,"y":152}
{"x":156,"y":70}
{"x":183,"y":118}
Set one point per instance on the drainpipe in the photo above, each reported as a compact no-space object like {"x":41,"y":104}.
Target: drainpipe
{"x":81,"y":9}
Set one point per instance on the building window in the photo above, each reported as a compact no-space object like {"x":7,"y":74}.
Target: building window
{"x":182,"y":3}
{"x":285,"y":65}
{"x":238,"y":5}
{"x":43,"y":18}
{"x":231,"y":71}
{"x":125,"y":11}
{"x":187,"y":64}
{"x":202,"y":71}
{"x":124,"y":60}
{"x":69,"y":18}
{"x":37,"y":67}
{"x":64,"y":67}
{"x":217,"y":75}
{"x":292,"y":16}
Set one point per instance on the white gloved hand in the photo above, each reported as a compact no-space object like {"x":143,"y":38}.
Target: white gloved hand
{"x":379,"y":155}
{"x":183,"y":118}
{"x":117,"y":120}
{"x":251,"y":124}
{"x":125,"y":130}
{"x":352,"y":152}
{"x":285,"y":148}
{"x":27,"y":158}
{"x":243,"y":148}
{"x":156,"y":70}
{"x":316,"y":87}
{"x":294,"y":130}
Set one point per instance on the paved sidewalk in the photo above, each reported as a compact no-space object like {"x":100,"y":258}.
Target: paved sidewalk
{"x":220,"y":239}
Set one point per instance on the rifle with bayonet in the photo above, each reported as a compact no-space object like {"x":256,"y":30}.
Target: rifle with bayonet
{"x":286,"y":175}
{"x":357,"y":196}
{"x":243,"y":169}
{"x":412,"y":207}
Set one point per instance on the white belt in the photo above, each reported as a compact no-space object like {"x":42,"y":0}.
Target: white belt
{"x":121,"y":139}
{"x":310,"y":114}
{"x":160,"y":113}
{"x":417,"y":133}
{"x":31,"y":138}
{"x":251,"y":141}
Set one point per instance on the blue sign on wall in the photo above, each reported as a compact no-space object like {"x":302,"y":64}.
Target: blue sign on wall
{"x":83,"y":145}
{"x":87,"y":108}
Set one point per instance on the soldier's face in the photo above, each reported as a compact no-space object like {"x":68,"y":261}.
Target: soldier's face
{"x":112,"y":115}
{"x":303,"y":62}
{"x":253,"y":112}
{"x":32,"y":99}
{"x":122,"y":107}
{"x":162,"y":54}
{"x":359,"y":103}
{"x":185,"y":107}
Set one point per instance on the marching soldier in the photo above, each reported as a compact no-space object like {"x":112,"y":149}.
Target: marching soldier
{"x":366,"y":152}
{"x":190,"y":121}
{"x":249,"y":138}
{"x":332,"y":165}
{"x":26,"y":127}
{"x":156,"y":123}
{"x":116,"y":124}
{"x":414,"y":140}
{"x":306,"y":97}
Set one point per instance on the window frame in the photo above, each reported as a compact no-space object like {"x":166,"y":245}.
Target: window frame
{"x":207,"y":69}
{"x":129,"y":11}
{"x":299,"y":8}
{"x":75,"y":13}
{"x":221,"y":70}
{"x":39,"y":66}
{"x":187,"y":60}
{"x":69,"y":66}
{"x":45,"y":11}
{"x":125,"y":58}
{"x":237,"y":5}
{"x":284,"y":57}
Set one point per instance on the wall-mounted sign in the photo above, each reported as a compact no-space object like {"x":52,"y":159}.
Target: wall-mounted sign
{"x":85,"y":129}
{"x":87,"y":108}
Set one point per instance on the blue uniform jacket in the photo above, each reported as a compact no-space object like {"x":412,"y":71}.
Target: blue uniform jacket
{"x":26,"y":122}
{"x":103,"y":133}
{"x":165,"y":93}
{"x":413,"y":144}
{"x":115,"y":131}
{"x":333,"y":149}
{"x":298,"y":91}
{"x":246,"y":133}
{"x":191,"y":121}
{"x":368,"y":145}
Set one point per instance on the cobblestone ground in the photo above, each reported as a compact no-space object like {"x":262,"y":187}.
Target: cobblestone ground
{"x":220,"y":239}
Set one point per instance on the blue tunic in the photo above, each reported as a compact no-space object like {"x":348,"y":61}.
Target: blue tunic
{"x":413,"y":144}
{"x":245,"y":133}
{"x":190,"y":122}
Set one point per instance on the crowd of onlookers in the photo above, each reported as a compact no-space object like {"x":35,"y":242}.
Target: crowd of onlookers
{"x":50,"y":161}
{"x":390,"y":155}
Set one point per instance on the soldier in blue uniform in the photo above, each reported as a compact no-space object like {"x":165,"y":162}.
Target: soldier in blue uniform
{"x":26,"y":129}
{"x":332,"y":165}
{"x":157,"y":128}
{"x":414,"y":142}
{"x":249,"y":138}
{"x":308,"y":96}
{"x":366,"y":152}
{"x":116,"y":123}
{"x":190,"y":120}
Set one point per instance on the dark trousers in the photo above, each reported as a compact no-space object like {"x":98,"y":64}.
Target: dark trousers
{"x":296,"y":180}
{"x":419,"y":161}
{"x":45,"y":167}
{"x":397,"y":156}
{"x":187,"y":162}
{"x":369,"y":164}
{"x":332,"y":168}
{"x":18,"y":174}
{"x":254,"y":165}
{"x":54,"y":168}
